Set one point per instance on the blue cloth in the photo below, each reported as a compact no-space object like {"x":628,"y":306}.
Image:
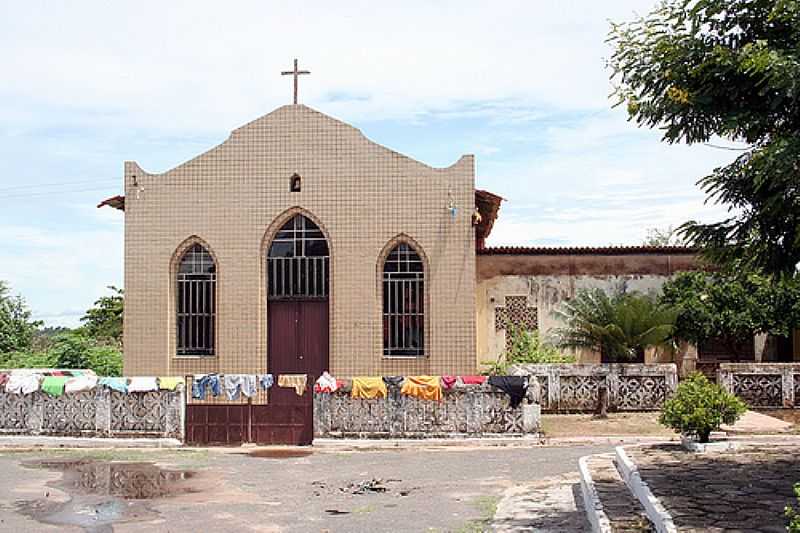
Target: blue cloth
{"x":117,"y":384}
{"x":266,"y":381}
{"x":203,"y":381}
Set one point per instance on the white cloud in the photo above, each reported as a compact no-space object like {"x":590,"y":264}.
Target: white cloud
{"x":203,"y":66}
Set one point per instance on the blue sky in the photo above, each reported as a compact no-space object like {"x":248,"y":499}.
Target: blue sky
{"x":522,"y":85}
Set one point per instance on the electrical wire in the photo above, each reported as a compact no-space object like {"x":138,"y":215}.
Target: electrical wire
{"x":39,"y":185}
{"x":51,"y":193}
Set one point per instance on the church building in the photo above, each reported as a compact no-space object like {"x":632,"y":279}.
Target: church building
{"x":298,"y":245}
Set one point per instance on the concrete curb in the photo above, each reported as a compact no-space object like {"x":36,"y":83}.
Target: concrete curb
{"x":655,"y":510}
{"x":595,"y":513}
{"x":29,"y":442}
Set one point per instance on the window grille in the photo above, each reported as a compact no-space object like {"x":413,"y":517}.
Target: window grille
{"x":403,"y":303}
{"x":196,"y":305}
{"x":298,"y":261}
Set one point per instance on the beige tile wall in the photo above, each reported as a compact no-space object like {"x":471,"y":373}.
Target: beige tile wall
{"x":234,"y":196}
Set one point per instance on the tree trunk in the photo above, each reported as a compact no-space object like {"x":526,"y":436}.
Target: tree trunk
{"x":601,"y":411}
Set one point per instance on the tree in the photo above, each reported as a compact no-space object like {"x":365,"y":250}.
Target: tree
{"x":731,"y":307}
{"x":668,"y":236}
{"x":698,"y":69}
{"x":621,"y":327}
{"x":104,"y":320}
{"x":16,"y":327}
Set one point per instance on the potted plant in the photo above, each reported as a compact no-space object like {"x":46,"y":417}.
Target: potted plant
{"x":699,"y":407}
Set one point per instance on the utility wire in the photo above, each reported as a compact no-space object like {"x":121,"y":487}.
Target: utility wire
{"x":732,"y":148}
{"x":51,"y":193}
{"x":39,"y":185}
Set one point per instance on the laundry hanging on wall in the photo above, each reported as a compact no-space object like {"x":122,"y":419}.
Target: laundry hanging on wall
{"x":514,"y":386}
{"x":423,"y":387}
{"x":236,"y":383}
{"x":368,"y":388}
{"x":326,"y":383}
{"x":297,"y":382}
{"x":201,"y":382}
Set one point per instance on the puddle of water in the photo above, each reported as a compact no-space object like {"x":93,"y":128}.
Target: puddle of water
{"x":279,"y":453}
{"x":103,"y":493}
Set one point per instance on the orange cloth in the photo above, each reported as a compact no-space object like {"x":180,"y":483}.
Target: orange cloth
{"x":368,"y":388}
{"x":294,"y":381}
{"x":423,"y":387}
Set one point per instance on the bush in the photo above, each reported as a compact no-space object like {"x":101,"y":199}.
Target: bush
{"x":700,"y":407}
{"x":27,"y":360}
{"x":792,"y":515}
{"x":526,"y":348}
{"x":69,"y":350}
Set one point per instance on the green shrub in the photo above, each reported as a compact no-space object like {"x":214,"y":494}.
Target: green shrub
{"x":69,"y":350}
{"x":792,"y":515}
{"x":526,"y":348}
{"x":700,"y":407}
{"x":27,"y":360}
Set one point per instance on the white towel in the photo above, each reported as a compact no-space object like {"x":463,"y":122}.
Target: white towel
{"x":80,"y":383}
{"x":246,"y":383}
{"x":142,"y":385}
{"x":23,"y":383}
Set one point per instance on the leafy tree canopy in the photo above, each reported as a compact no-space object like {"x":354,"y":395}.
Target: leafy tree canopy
{"x":698,"y":69}
{"x":103,"y":321}
{"x":16,"y":327}
{"x":731,"y":306}
{"x":620,"y":326}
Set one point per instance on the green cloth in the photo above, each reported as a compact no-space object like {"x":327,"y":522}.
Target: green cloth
{"x":54,"y":385}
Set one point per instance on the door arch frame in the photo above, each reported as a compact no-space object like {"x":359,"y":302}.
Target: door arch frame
{"x":266,"y":242}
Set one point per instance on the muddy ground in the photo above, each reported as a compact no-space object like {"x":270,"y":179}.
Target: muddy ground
{"x":299,"y":490}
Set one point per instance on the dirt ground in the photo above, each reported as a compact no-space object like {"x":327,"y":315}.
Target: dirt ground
{"x":448,"y":489}
{"x":787,"y":415}
{"x":617,"y":424}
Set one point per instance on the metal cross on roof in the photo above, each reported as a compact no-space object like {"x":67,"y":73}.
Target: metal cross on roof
{"x":295,"y":73}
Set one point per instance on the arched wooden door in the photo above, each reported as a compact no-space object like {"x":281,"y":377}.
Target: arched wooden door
{"x":298,"y":265}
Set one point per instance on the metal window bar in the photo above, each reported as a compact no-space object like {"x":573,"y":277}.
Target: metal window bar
{"x":298,"y":262}
{"x":403,"y":303}
{"x":196,"y":295}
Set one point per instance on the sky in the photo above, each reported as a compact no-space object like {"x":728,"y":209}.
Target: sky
{"x":521,"y":85}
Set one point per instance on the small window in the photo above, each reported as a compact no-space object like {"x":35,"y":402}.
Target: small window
{"x":295,"y":183}
{"x":403,"y":303}
{"x":196,"y":302}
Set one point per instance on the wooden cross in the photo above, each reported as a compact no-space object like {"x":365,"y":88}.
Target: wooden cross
{"x":295,"y":73}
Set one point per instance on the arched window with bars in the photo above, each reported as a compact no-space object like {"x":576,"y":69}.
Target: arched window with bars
{"x":196,"y":302}
{"x":403,"y":303}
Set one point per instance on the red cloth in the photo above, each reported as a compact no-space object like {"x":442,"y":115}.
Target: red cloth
{"x":56,"y":373}
{"x":448,"y":382}
{"x":473,"y":380}
{"x":3,"y":379}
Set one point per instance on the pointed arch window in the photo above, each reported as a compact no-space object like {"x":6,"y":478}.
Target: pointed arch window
{"x":196,"y":302}
{"x":403,"y":303}
{"x":298,"y":261}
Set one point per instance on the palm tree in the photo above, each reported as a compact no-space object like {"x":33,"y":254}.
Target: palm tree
{"x":621,"y":327}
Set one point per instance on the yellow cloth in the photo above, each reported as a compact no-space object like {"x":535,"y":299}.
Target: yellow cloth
{"x":294,"y":381}
{"x":165,"y":383}
{"x":368,"y":388}
{"x":423,"y":387}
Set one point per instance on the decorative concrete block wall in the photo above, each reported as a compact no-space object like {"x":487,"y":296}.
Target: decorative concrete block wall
{"x":476,"y":410}
{"x":762,"y":384}
{"x":97,"y":413}
{"x":575,"y":387}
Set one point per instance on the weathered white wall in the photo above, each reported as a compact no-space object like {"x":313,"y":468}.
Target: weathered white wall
{"x":546,"y":292}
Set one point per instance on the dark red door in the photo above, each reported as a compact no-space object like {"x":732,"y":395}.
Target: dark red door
{"x":298,"y":344}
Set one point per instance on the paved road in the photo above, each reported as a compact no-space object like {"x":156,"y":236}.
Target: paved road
{"x":426,"y":489}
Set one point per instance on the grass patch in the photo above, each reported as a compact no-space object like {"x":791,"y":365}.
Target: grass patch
{"x":487,"y":506}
